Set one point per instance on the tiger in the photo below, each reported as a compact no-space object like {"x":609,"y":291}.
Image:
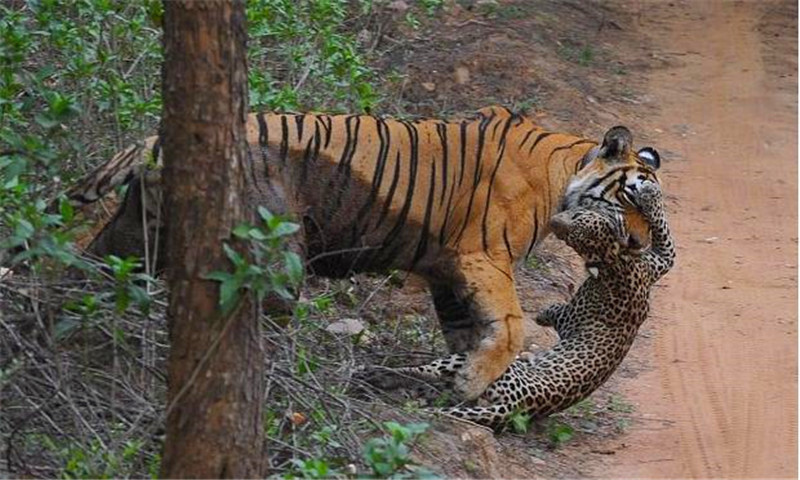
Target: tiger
{"x":460,"y":203}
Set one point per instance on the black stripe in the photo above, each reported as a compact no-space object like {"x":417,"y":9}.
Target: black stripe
{"x":263,"y":135}
{"x":463,"y":138}
{"x":602,"y":179}
{"x":350,"y":143}
{"x":447,"y":212}
{"x":484,"y":230}
{"x":494,"y":130}
{"x":346,"y":160}
{"x":394,"y":234}
{"x":299,"y":120}
{"x":284,"y":139}
{"x":527,"y":136}
{"x":482,"y":126}
{"x":441,"y":129}
{"x":508,"y":244}
{"x":308,"y":154}
{"x":539,"y":139}
{"x":422,"y":246}
{"x":328,"y":129}
{"x":619,"y":183}
{"x":389,"y":196}
{"x":377,"y":176}
{"x":156,"y":149}
{"x":567,"y":147}
{"x":535,"y":232}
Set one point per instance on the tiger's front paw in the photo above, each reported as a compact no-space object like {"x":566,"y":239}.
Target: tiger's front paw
{"x":470,"y":383}
{"x":481,"y":370}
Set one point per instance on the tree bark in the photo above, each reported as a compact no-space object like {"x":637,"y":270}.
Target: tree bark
{"x":215,"y":389}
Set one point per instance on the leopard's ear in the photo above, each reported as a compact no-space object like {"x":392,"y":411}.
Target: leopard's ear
{"x":617,"y":144}
{"x":650,"y":157}
{"x":560,"y":224}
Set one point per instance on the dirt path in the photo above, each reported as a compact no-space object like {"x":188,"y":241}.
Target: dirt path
{"x":721,"y":398}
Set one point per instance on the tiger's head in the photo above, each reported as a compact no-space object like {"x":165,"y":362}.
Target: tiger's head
{"x":611,"y":174}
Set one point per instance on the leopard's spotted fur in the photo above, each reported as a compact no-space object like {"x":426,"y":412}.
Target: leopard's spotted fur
{"x":596,"y":328}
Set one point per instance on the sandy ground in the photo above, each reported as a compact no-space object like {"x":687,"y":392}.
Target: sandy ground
{"x":721,"y":397}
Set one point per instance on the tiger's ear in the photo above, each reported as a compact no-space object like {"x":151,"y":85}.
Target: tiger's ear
{"x":617,"y":144}
{"x":650,"y":157}
{"x":589,"y":157}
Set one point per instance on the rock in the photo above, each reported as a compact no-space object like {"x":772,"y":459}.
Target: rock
{"x":347,"y":326}
{"x":483,"y":448}
{"x":710,"y":239}
{"x":429,"y":86}
{"x":398,"y":6}
{"x":462,"y":75}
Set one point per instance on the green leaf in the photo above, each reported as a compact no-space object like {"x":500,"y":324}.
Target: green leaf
{"x":520,"y":422}
{"x":233,"y":255}
{"x":229,"y":294}
{"x":294,"y":267}
{"x":265,"y":214}
{"x":66,"y":210}
{"x":218,"y":276}
{"x":257,"y":234}
{"x":242,"y":231}
{"x":283,"y":229}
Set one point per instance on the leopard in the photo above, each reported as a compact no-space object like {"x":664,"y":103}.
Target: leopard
{"x":596,"y":328}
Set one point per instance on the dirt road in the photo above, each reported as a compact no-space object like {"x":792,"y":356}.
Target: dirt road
{"x":721,"y":397}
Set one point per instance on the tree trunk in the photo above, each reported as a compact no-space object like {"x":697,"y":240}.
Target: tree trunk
{"x":215,"y":389}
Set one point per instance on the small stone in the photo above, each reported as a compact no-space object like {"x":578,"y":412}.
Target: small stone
{"x":429,"y":86}
{"x":462,"y":75}
{"x":297,"y":418}
{"x":347,"y":326}
{"x":711,"y":239}
{"x":398,"y":6}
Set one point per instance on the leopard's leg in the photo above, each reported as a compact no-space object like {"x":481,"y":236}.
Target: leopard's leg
{"x":491,"y":416}
{"x":440,"y":368}
{"x":495,"y":318}
{"x":549,"y":317}
{"x":660,"y":257}
{"x":390,"y":378}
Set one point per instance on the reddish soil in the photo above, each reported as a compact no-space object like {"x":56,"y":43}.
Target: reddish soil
{"x":721,"y":397}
